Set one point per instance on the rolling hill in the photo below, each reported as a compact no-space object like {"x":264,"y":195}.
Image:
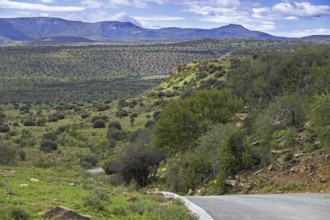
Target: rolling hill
{"x":34,"y":28}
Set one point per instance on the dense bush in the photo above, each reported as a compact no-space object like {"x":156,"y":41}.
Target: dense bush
{"x":4,"y":128}
{"x":99,"y":123}
{"x":137,"y":162}
{"x":184,"y":120}
{"x":88,"y":161}
{"x":115,"y":124}
{"x":7,"y":153}
{"x":121,"y":113}
{"x":320,"y":118}
{"x":29,"y":122}
{"x":48,"y":146}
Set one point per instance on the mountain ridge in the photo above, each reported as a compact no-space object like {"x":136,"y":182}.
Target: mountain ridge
{"x":35,"y":28}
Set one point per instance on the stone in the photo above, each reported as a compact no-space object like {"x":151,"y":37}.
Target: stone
{"x":63,"y":213}
{"x":33,"y":180}
{"x":24,"y":185}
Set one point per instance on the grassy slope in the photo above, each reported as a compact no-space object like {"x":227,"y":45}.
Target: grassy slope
{"x":83,"y":193}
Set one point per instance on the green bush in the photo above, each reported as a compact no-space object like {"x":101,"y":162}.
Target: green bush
{"x":184,"y":120}
{"x":7,"y":153}
{"x":88,"y":161}
{"x":29,"y":122}
{"x":48,"y":146}
{"x":99,"y":123}
{"x":18,"y":213}
{"x":121,"y":113}
{"x":4,"y":128}
{"x":115,"y":124}
{"x":320,"y":118}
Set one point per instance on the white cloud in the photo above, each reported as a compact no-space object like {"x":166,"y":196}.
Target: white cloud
{"x":227,"y":3}
{"x":98,"y":15}
{"x":159,"y":18}
{"x":301,"y":9}
{"x":115,"y":3}
{"x":48,"y":1}
{"x":91,"y":3}
{"x":39,"y":7}
{"x":260,"y":12}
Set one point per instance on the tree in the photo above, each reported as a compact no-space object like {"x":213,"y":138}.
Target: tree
{"x":184,"y":120}
{"x":137,"y":161}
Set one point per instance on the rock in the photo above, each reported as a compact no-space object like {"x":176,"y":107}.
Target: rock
{"x":237,"y":186}
{"x":24,"y":185}
{"x":281,"y":151}
{"x":257,"y":173}
{"x":307,"y":125}
{"x":72,"y":184}
{"x":190,"y":192}
{"x":63,"y":213}
{"x":33,"y":180}
{"x":256,"y":143}
{"x":130,"y":198}
{"x":270,"y":167}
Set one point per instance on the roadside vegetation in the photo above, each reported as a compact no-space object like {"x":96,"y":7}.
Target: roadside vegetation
{"x":255,"y":121}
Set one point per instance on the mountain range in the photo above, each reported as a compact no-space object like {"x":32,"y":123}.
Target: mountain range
{"x":61,"y":30}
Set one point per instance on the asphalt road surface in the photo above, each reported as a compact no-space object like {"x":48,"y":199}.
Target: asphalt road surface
{"x":266,"y":207}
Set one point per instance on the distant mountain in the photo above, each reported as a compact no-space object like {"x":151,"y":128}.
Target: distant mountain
{"x":34,"y":28}
{"x":317,"y":38}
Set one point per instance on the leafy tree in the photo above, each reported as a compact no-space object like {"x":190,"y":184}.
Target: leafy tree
{"x":184,"y":120}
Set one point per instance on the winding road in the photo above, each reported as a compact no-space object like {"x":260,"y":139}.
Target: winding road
{"x":266,"y":207}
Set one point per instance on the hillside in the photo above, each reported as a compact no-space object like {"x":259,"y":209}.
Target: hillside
{"x":98,"y":72}
{"x":246,"y":123}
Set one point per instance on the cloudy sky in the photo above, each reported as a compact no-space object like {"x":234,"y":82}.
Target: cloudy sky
{"x":292,"y":18}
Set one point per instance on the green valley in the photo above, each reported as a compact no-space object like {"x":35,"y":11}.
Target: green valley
{"x":199,"y":117}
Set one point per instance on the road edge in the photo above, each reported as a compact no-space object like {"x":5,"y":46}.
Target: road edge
{"x":197,"y":210}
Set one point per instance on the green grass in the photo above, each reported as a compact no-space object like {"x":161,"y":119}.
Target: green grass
{"x":75,"y":189}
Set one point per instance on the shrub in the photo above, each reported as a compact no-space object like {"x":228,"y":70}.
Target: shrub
{"x":29,"y":122}
{"x":18,"y":213}
{"x":88,"y":161}
{"x":149,"y":123}
{"x":115,"y":134}
{"x":48,"y":146}
{"x":115,"y":124}
{"x":97,"y":117}
{"x":7,"y":153}
{"x":49,"y":136}
{"x":137,"y":162}
{"x":4,"y":128}
{"x":55,"y":117}
{"x":122,"y":113}
{"x":84,"y":115}
{"x":2,"y":115}
{"x":102,"y":107}
{"x":99,"y":123}
{"x":41,"y":121}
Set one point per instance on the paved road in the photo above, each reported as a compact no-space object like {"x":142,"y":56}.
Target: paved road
{"x":266,"y":207}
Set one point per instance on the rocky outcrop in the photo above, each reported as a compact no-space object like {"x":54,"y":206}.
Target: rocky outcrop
{"x":63,"y":213}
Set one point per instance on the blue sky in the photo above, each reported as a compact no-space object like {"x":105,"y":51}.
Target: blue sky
{"x":292,"y":18}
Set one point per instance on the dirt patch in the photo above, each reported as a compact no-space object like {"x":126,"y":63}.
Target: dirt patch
{"x":7,"y":172}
